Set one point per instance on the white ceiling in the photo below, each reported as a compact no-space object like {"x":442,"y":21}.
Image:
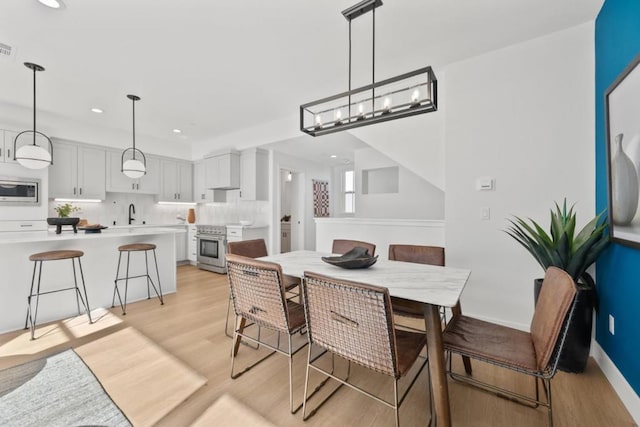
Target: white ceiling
{"x":214,"y":67}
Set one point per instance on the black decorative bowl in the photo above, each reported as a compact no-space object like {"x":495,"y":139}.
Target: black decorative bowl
{"x":357,"y":257}
{"x":59,"y":222}
{"x":93,"y":229}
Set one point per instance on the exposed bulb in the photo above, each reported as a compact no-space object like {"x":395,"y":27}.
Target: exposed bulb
{"x":338,"y":117}
{"x":386,"y":105}
{"x":318,"y":121}
{"x":415,"y":96}
{"x":360,"y":111}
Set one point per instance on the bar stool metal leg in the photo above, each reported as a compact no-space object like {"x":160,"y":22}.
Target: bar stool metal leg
{"x":158,"y":276}
{"x":86,"y":296}
{"x":115,"y":285}
{"x":146,"y":264}
{"x":33,"y":279}
{"x":126,"y":285}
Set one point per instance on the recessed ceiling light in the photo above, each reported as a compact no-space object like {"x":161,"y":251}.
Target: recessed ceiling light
{"x":177,"y":131}
{"x":97,"y":110}
{"x":333,"y":156}
{"x":54,"y":4}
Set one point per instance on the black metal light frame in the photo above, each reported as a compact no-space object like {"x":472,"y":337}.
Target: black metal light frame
{"x":133,"y":149}
{"x":376,"y":115}
{"x":35,"y":68}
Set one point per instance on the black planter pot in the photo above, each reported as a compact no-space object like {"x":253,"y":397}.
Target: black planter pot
{"x":575,"y":353}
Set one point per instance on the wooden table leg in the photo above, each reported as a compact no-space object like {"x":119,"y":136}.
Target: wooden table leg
{"x":436,"y":365}
{"x":240,"y":328}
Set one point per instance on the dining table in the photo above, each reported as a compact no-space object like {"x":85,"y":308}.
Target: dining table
{"x":432,"y":286}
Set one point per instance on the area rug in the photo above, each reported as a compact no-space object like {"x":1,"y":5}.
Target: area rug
{"x":143,"y":379}
{"x":59,"y":390}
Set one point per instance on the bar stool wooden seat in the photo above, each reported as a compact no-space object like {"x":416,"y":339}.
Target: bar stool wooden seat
{"x":136,"y":247}
{"x":58,"y":255}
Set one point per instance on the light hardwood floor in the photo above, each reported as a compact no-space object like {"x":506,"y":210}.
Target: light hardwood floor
{"x":190,"y":326}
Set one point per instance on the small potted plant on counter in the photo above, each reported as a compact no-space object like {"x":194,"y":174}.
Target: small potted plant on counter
{"x":573,"y":252}
{"x":63,"y":218}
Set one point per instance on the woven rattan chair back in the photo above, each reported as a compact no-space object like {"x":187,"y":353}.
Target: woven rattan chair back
{"x":257,"y":292}
{"x":341,"y":246}
{"x":351,"y":320}
{"x":556,"y":296}
{"x":250,"y":248}
{"x":433,"y":255}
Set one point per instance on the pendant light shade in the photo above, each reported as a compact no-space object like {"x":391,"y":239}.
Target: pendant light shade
{"x":32,"y":155}
{"x":134,"y":162}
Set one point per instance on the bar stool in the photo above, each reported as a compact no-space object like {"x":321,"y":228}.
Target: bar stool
{"x":136,"y":247}
{"x":38,"y":259}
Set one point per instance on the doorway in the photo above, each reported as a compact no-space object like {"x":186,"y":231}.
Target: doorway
{"x":291,"y":210}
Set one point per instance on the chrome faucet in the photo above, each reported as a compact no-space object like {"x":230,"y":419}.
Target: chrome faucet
{"x":132,"y":210}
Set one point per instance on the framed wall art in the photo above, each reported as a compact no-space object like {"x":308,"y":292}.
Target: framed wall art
{"x":622,"y":107}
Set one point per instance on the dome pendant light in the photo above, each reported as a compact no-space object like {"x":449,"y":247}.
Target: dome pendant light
{"x":33,"y":156}
{"x":134,"y":168}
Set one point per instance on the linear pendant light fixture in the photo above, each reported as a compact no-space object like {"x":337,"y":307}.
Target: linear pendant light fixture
{"x":33,"y":156}
{"x":134,"y":168}
{"x":408,"y":94}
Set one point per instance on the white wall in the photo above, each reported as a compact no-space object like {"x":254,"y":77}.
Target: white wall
{"x":416,"y":197}
{"x":525,"y":116}
{"x":415,"y":142}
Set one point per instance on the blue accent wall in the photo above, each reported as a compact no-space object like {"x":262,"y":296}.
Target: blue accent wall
{"x":617,"y":42}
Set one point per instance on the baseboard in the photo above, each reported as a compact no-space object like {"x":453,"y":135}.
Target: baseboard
{"x":629,"y":397}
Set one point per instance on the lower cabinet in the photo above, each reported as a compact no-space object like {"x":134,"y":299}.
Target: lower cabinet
{"x":237,"y":233}
{"x":192,"y":244}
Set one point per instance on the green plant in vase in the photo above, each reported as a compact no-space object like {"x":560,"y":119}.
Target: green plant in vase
{"x":65,"y":210}
{"x":573,"y":252}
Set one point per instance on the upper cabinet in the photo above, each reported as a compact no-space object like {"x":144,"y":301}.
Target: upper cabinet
{"x":77,"y":172}
{"x":202,"y":194}
{"x":222,"y":171}
{"x":254,"y":174}
{"x":6,"y":146}
{"x":177,"y":183}
{"x":118,"y":182}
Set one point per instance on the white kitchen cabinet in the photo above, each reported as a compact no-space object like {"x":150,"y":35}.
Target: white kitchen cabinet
{"x":254,"y":174}
{"x":285,"y":237}
{"x":192,"y":244}
{"x":6,"y":146}
{"x":117,"y":182}
{"x":77,"y":172}
{"x":222,"y":171}
{"x":202,"y":194}
{"x":177,"y":185}
{"x":236,"y":233}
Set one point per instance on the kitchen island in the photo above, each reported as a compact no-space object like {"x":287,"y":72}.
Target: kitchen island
{"x":99,"y":265}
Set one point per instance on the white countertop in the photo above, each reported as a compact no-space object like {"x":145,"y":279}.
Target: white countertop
{"x":246,"y":226}
{"x":67,"y":234}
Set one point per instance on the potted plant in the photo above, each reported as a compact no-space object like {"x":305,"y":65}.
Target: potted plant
{"x":573,"y":252}
{"x":63,"y":218}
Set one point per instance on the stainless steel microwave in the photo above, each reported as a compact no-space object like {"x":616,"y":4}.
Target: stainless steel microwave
{"x":19,"y":191}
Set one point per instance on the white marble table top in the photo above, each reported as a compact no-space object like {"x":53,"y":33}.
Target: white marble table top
{"x":418,"y":282}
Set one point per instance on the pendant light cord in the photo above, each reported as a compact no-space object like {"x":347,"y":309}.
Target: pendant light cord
{"x":373,"y":65}
{"x":349,"y":69}
{"x":34,"y":105}
{"x":134,"y":128}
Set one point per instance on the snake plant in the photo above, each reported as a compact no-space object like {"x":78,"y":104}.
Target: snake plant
{"x":562,"y":247}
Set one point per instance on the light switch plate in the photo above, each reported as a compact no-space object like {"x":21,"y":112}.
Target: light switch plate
{"x":485,"y":213}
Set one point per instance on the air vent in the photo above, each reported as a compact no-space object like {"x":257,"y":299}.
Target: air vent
{"x":5,"y":50}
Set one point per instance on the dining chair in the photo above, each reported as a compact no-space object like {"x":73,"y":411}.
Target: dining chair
{"x":259,"y":296}
{"x":342,"y":246}
{"x":533,"y":353}
{"x":432,"y":255}
{"x":257,"y":248}
{"x":354,"y":321}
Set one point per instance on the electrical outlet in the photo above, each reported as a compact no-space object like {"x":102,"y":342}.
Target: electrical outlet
{"x":485,"y":213}
{"x":612,"y":325}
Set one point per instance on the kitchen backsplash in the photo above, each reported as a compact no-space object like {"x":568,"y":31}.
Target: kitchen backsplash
{"x":116,"y":208}
{"x":233,"y":211}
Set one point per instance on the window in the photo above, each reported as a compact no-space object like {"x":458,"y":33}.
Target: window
{"x":349,"y":191}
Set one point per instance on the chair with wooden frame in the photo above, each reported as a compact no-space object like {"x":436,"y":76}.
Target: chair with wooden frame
{"x":259,"y":296}
{"x":342,"y":246}
{"x":532,"y":353}
{"x":256,"y":248}
{"x":354,"y":321}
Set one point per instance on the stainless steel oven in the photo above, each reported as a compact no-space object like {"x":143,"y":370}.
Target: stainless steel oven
{"x":19,"y":191}
{"x":212,"y":247}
